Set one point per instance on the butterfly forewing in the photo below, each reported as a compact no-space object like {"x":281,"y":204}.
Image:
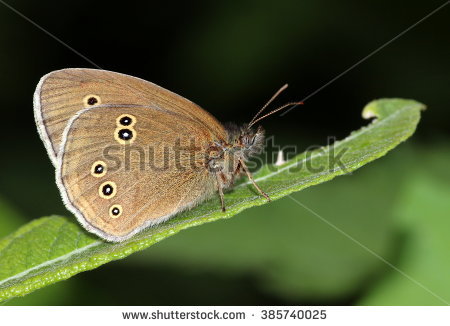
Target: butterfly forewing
{"x":63,"y":93}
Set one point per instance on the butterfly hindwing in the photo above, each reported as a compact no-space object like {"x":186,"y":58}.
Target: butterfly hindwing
{"x":123,"y":168}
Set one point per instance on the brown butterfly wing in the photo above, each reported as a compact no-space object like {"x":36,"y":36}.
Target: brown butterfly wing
{"x":117,"y":187}
{"x":62,"y":93}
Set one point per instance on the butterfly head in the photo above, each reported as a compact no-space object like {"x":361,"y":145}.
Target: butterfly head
{"x":252,"y":141}
{"x":245,"y":142}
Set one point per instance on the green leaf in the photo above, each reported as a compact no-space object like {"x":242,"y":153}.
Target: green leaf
{"x":54,"y":248}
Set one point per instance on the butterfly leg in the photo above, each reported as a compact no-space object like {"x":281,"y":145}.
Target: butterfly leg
{"x":253,"y":181}
{"x":220,"y":189}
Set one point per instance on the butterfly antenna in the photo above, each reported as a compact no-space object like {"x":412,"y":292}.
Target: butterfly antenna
{"x":265,"y":105}
{"x":273,"y":111}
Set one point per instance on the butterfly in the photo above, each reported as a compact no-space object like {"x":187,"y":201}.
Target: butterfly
{"x":129,"y":154}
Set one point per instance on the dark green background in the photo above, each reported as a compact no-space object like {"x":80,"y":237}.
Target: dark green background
{"x":229,"y":57}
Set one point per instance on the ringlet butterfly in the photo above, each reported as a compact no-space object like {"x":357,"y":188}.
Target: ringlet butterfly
{"x":130,"y":154}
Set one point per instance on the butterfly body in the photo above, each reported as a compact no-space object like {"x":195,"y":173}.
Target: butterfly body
{"x":242,"y":143}
{"x":129,"y":154}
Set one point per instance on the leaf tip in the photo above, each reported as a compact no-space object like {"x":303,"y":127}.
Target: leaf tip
{"x":383,"y":107}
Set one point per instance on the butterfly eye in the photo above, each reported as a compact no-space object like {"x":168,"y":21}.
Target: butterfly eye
{"x":98,"y":169}
{"x":107,"y":190}
{"x":91,"y":100}
{"x":115,"y":211}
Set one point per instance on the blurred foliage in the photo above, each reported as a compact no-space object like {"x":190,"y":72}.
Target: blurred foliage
{"x":422,"y":215}
{"x":10,"y":218}
{"x":229,"y":57}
